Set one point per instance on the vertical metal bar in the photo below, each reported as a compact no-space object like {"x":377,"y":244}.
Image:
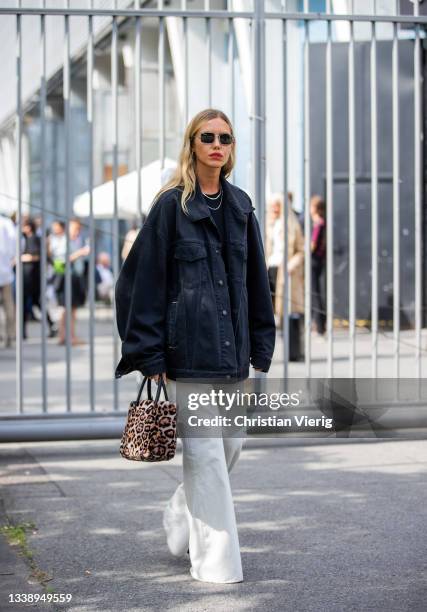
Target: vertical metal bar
{"x":285,"y":300}
{"x":115,"y":132}
{"x":374,"y":208}
{"x":307,"y":223}
{"x":418,"y":163}
{"x":329,"y":200}
{"x":18,"y":268}
{"x":90,"y":106}
{"x":67,"y":118}
{"x":230,"y":55}
{"x":209,"y":53}
{"x":352,"y":202}
{"x":185,"y":33}
{"x":138,"y":113}
{"x":43,"y":254}
{"x":258,"y":114}
{"x":161,"y":60}
{"x":396,"y":203}
{"x":374,"y":203}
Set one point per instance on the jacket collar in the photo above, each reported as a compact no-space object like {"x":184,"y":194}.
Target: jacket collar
{"x":237,"y":203}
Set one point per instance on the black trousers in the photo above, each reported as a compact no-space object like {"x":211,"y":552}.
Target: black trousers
{"x":318,"y":311}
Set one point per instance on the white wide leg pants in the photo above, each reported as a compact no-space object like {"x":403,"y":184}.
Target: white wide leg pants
{"x":200,"y":514}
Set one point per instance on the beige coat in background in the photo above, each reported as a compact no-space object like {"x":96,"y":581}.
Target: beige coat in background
{"x":295,"y":265}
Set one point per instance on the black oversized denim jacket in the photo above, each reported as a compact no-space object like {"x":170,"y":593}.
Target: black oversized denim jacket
{"x":177,"y":310}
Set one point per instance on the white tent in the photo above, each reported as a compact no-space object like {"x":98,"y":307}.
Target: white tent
{"x":152,"y":179}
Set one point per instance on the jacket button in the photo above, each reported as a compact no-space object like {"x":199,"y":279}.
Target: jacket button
{"x":216,"y":250}
{"x":224,"y":312}
{"x":227,"y":343}
{"x":220,"y":282}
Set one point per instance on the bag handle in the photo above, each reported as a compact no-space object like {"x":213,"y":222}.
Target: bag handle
{"x":159,"y":388}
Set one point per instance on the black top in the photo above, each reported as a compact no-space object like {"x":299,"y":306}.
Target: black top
{"x":218,"y":217}
{"x":31,"y":245}
{"x":31,"y":269}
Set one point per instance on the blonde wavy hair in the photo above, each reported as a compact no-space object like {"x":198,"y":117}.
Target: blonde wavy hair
{"x":185,"y":172}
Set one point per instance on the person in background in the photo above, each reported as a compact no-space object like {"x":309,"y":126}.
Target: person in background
{"x":104,"y":278}
{"x":31,"y":275}
{"x":274,"y":249}
{"x":318,"y":257}
{"x":56,"y":248}
{"x":7,"y":254}
{"x":30,"y":257}
{"x":78,"y":252}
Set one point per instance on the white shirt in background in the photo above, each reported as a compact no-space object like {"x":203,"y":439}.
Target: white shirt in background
{"x":58,"y":246}
{"x":7,"y":250}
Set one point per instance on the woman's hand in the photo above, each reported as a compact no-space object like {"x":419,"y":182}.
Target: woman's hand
{"x":156,"y":377}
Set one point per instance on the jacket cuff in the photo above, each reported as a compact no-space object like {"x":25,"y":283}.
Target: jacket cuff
{"x":155,"y":367}
{"x":128,"y":365}
{"x":261,"y":362}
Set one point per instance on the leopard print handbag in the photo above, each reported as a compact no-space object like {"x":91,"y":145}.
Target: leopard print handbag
{"x":150,"y":430}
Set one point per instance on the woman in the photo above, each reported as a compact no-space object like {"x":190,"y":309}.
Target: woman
{"x":318,"y":257}
{"x":79,"y":250}
{"x":275,"y":253}
{"x":193,"y":302}
{"x":30,"y":258}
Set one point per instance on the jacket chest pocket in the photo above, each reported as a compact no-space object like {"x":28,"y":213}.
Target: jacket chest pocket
{"x":191,"y":257}
{"x":238,"y":255}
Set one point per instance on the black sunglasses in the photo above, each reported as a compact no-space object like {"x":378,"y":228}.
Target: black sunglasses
{"x":209,"y":137}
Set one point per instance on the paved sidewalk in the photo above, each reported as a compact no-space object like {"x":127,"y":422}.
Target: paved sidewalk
{"x":13,"y":575}
{"x":324,"y":526}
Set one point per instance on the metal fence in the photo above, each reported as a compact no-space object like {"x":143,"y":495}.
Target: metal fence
{"x":259,"y":20}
